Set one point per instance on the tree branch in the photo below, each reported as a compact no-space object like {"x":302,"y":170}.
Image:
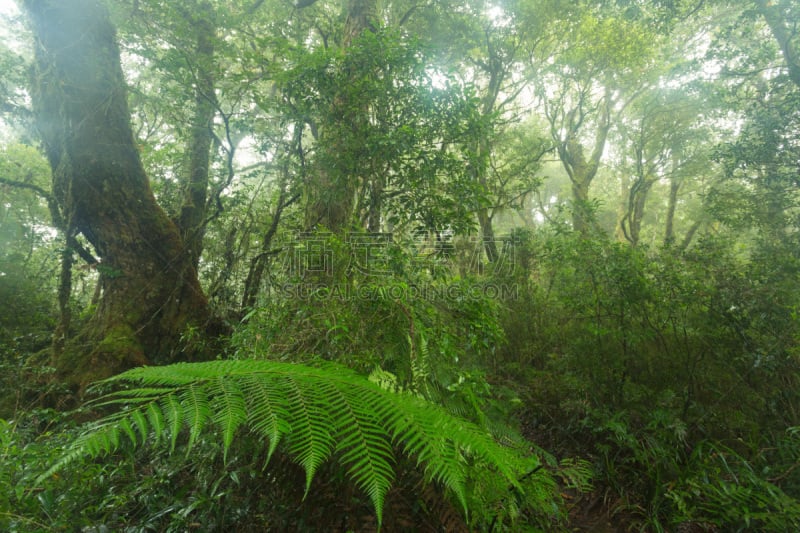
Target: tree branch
{"x":55,"y":215}
{"x":774,"y":20}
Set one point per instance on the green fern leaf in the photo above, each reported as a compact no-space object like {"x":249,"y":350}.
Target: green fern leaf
{"x":229,"y":409}
{"x":364,"y":447}
{"x":174,"y":415}
{"x":127,"y":428}
{"x":140,"y":422}
{"x":196,"y":410}
{"x":311,"y":440}
{"x":267,"y":413}
{"x":156,"y":418}
{"x":317,"y":413}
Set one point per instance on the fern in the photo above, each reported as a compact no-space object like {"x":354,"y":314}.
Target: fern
{"x":315,"y":413}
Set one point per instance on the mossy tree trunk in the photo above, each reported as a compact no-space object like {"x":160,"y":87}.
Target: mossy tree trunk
{"x":637,"y":199}
{"x":580,"y":169}
{"x":194,"y":210}
{"x":496,"y":71}
{"x":778,"y":17}
{"x":150,"y":292}
{"x":333,"y":187}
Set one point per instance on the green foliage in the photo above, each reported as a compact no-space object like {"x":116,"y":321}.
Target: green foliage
{"x":613,"y":46}
{"x":404,"y":313}
{"x":673,"y":371}
{"x":27,"y":444}
{"x":389,"y":116}
{"x":644,"y":357}
{"x":28,"y":262}
{"x":315,"y":412}
{"x":721,"y":487}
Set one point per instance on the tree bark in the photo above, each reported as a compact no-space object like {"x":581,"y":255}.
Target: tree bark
{"x":483,"y":152}
{"x":580,"y":169}
{"x":637,"y":215}
{"x":669,"y":225}
{"x":771,"y":11}
{"x":622,"y":210}
{"x":332,"y":191}
{"x":479,"y":171}
{"x":195,"y":198}
{"x":687,"y":239}
{"x":631,"y":221}
{"x":377,"y":185}
{"x":149,"y":288}
{"x":258,"y":264}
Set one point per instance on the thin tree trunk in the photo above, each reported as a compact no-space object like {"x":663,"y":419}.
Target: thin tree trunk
{"x":771,"y":11}
{"x":669,"y":225}
{"x":375,"y":203}
{"x":258,"y":264}
{"x":494,"y":68}
{"x":195,"y":199}
{"x":687,"y":239}
{"x":61,"y":333}
{"x":332,"y":191}
{"x":484,"y":215}
{"x":622,"y":210}
{"x":150,"y":292}
{"x":580,"y":169}
{"x":489,"y":244}
{"x":638,"y":210}
{"x":632,"y":221}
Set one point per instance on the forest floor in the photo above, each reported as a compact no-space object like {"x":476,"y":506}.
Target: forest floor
{"x":594,"y":513}
{"x":589,"y":512}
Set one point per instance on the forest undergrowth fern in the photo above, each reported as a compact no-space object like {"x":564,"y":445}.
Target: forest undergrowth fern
{"x":315,"y":413}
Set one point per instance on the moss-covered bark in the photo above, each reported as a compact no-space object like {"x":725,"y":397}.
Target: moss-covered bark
{"x":195,"y":195}
{"x":150,"y":292}
{"x":333,"y":187}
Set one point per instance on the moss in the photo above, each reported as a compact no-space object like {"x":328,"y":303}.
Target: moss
{"x":120,"y":339}
{"x":85,"y":360}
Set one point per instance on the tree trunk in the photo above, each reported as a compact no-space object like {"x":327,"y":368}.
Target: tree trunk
{"x":637,"y":199}
{"x":494,"y":68}
{"x":581,"y":208}
{"x":638,"y":210}
{"x":149,"y":288}
{"x":487,"y":231}
{"x":360,"y":16}
{"x":580,"y":169}
{"x":784,"y":31}
{"x":669,"y":225}
{"x":480,"y":170}
{"x":332,"y":191}
{"x":258,"y":264}
{"x":622,"y":210}
{"x":375,"y":210}
{"x":194,"y":208}
{"x":687,"y":239}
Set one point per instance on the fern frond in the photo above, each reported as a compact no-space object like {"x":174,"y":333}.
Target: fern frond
{"x":266,"y":414}
{"x":228,"y":406}
{"x":316,"y":413}
{"x":196,"y":409}
{"x":311,"y":440}
{"x":157,"y":422}
{"x":365,"y":447}
{"x":173,"y":412}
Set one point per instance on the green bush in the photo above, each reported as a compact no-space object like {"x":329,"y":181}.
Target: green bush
{"x":639,"y":357}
